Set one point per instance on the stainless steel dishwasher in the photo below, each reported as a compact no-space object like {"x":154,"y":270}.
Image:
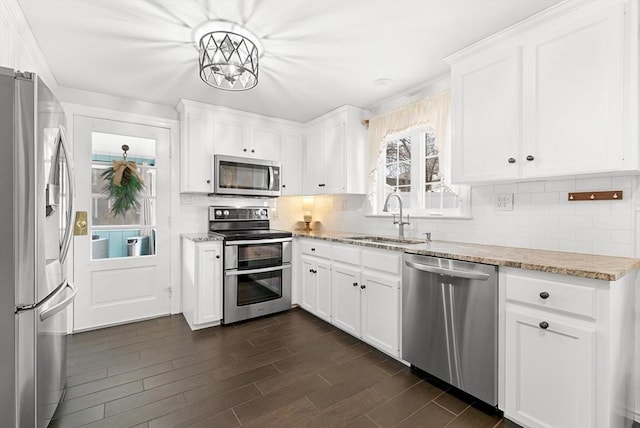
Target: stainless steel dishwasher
{"x":450,"y":322}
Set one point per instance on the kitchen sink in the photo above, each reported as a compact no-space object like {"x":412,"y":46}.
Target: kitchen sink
{"x":385,"y":240}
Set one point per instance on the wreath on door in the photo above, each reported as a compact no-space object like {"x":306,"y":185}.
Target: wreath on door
{"x":124,"y":185}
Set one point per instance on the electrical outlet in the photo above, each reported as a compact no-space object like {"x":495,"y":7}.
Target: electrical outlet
{"x":503,"y":202}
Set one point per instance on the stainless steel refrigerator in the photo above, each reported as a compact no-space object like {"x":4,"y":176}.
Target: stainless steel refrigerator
{"x":36,"y":202}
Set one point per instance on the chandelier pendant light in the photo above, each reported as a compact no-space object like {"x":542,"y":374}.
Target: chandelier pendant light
{"x":228,"y":60}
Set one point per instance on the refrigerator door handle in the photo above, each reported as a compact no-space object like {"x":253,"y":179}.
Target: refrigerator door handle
{"x":49,"y":312}
{"x":68,"y":233}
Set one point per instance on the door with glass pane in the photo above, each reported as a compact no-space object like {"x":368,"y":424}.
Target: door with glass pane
{"x":121,"y":257}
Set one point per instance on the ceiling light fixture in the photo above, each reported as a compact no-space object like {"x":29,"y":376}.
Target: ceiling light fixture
{"x":228,"y":55}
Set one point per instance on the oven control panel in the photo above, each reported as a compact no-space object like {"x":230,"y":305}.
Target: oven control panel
{"x":236,"y":213}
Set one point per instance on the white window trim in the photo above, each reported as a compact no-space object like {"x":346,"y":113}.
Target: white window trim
{"x":418,"y":180}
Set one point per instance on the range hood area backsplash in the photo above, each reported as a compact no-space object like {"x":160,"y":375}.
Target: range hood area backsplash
{"x":542,"y":217}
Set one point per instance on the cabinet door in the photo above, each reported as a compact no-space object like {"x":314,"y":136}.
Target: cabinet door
{"x":209,"y":283}
{"x":308,"y":300}
{"x":487,"y":118}
{"x":549,"y":372}
{"x":380,"y":311}
{"x":229,"y":138}
{"x":195,"y":154}
{"x":334,"y":158}
{"x":313,"y":162}
{"x":323,"y":290}
{"x":345,"y":281}
{"x":265,"y":144}
{"x":575,"y":94}
{"x":291,"y":158}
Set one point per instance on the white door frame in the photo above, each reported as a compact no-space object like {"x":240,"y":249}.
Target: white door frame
{"x":72,"y":110}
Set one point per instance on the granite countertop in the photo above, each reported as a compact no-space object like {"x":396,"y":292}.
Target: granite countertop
{"x":606,"y":268}
{"x":201,"y":237}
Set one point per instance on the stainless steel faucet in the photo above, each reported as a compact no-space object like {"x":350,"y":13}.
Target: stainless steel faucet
{"x":400,"y":223}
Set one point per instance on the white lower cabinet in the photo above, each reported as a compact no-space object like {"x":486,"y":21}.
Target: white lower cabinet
{"x":550,"y":367}
{"x":364,"y":302}
{"x":201,"y":283}
{"x":316,"y":286}
{"x":345,"y":304}
{"x":380,"y":311}
{"x":568,"y":353}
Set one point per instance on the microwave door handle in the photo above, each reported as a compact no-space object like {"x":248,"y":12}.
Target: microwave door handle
{"x":270,"y":182}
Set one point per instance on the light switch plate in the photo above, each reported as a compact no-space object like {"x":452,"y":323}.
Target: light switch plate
{"x":503,"y":202}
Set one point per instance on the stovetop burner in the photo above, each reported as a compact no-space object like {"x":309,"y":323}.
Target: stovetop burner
{"x":243,"y":223}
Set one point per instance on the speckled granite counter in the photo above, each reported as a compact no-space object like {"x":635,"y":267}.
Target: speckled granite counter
{"x":606,"y":268}
{"x":201,"y":237}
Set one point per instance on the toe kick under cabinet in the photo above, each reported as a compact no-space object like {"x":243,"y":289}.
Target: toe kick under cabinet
{"x":567,"y":349}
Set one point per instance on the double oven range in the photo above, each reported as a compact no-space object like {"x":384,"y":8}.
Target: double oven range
{"x":257,"y":262}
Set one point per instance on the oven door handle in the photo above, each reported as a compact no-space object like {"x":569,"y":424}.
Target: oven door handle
{"x":258,"y":241}
{"x":250,"y":271}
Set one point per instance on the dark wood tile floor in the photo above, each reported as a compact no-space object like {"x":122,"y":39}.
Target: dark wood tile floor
{"x":286,"y":370}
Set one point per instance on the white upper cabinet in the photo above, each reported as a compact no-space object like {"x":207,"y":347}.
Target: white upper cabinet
{"x":291,"y":158}
{"x":487,"y":117}
{"x":555,"y":95}
{"x":334,"y":153}
{"x":209,"y":130}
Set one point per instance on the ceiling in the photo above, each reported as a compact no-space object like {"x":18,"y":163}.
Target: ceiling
{"x":319,"y":54}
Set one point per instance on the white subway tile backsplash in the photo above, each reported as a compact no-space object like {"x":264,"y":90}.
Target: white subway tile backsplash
{"x":576,"y":246}
{"x":587,"y":184}
{"x":560,"y":186}
{"x":531,"y":187}
{"x":613,"y":249}
{"x":622,"y":236}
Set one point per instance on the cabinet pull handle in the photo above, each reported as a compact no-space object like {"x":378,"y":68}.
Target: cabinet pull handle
{"x":511,"y":160}
{"x":544,"y":295}
{"x":355,"y":284}
{"x":321,"y":185}
{"x":363,"y":286}
{"x":544,"y":325}
{"x":530,"y":158}
{"x":208,"y":181}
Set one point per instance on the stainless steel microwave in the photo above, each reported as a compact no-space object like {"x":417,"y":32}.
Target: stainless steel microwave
{"x":246,"y":176}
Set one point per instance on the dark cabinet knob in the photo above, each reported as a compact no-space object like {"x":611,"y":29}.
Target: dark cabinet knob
{"x":511,"y":160}
{"x":208,"y":181}
{"x":244,"y":150}
{"x":363,"y":286}
{"x":217,"y":256}
{"x":530,"y":158}
{"x":544,"y":295}
{"x":253,"y":150}
{"x":313,"y":249}
{"x":284,"y":185}
{"x":544,"y":325}
{"x":321,"y":185}
{"x":355,"y":284}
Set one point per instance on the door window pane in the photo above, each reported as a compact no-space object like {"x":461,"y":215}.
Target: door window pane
{"x":134,"y":233}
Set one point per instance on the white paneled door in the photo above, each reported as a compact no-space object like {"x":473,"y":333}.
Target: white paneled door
{"x":121,"y":264}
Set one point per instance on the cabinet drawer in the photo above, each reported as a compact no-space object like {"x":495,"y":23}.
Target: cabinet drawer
{"x":574,"y":299}
{"x":345,"y":254}
{"x":314,"y":247}
{"x":385,"y":261}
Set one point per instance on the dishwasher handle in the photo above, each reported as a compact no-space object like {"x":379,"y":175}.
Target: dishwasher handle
{"x":455,"y":273}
